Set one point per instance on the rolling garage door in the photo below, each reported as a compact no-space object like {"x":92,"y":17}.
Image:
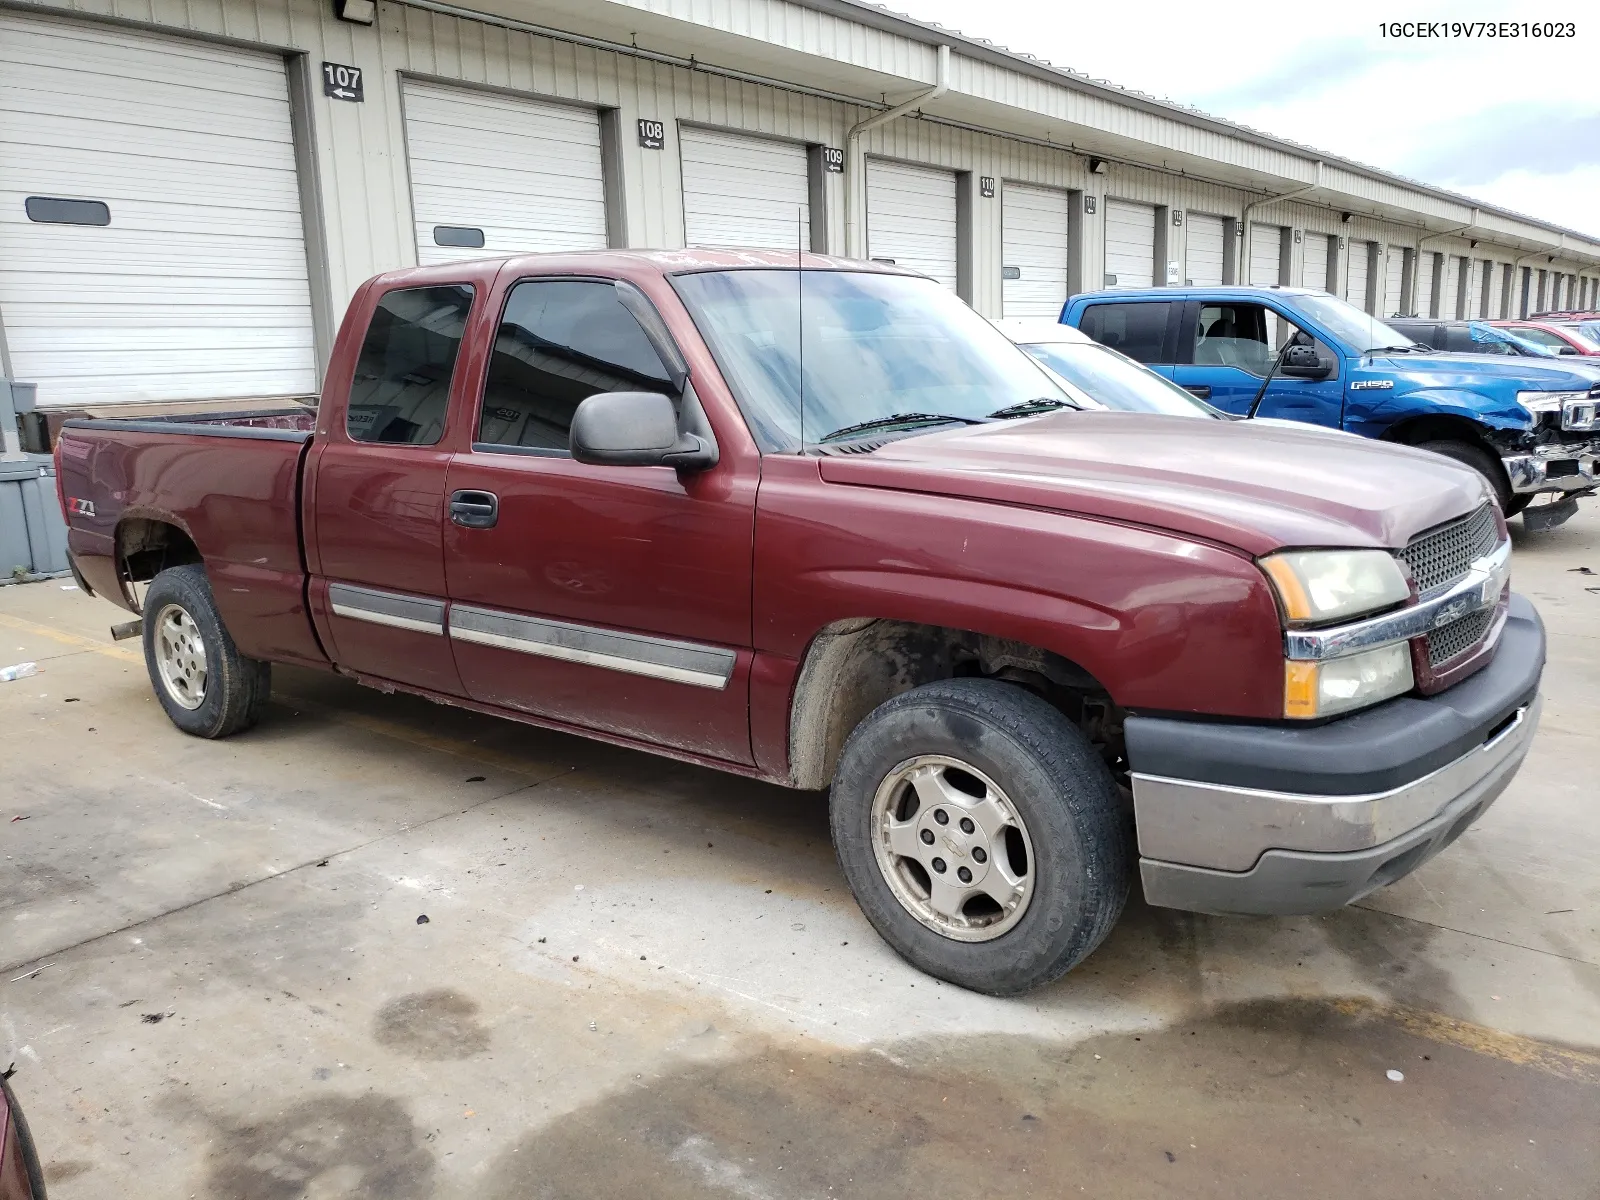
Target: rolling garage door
{"x":1266,"y":246}
{"x":1204,"y":254}
{"x":1424,"y":289}
{"x":1393,"y":277}
{"x":1355,"y":290}
{"x":744,"y":191}
{"x":1448,"y":283}
{"x":1314,"y":270}
{"x":1130,"y":244}
{"x":911,"y":218}
{"x":177,"y":267}
{"x":1034,"y":250}
{"x":494,"y":174}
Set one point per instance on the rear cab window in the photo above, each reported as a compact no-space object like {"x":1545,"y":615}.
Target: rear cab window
{"x":559,"y":342}
{"x":401,"y":391}
{"x":1141,"y":329}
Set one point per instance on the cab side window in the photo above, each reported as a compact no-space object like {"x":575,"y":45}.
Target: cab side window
{"x":560,"y":342}
{"x":401,"y":390}
{"x":1137,"y":330}
{"x":1246,"y":336}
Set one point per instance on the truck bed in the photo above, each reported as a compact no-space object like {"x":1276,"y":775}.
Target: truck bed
{"x":231,"y":481}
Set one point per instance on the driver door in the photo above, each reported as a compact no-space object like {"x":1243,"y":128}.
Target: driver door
{"x":1231,"y":347}
{"x":612,"y":598}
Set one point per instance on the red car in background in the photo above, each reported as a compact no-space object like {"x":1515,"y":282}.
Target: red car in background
{"x":1564,"y":336}
{"x":20,"y":1176}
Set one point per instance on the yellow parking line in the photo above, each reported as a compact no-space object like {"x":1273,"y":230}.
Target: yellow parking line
{"x":69,"y":639}
{"x":1494,"y":1043}
{"x":390,"y":729}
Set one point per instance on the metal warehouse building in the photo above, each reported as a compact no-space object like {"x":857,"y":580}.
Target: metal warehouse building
{"x":190,"y":190}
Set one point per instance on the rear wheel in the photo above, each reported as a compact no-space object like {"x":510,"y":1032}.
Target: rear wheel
{"x":206,"y":686}
{"x":1485,"y":464}
{"x":982,"y":835}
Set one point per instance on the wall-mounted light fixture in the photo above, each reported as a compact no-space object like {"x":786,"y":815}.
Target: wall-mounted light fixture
{"x":1097,"y":166}
{"x":357,"y":12}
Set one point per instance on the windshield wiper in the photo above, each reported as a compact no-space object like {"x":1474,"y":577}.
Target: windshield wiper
{"x":898,"y":419}
{"x":1027,"y":408}
{"x":1413,"y":348}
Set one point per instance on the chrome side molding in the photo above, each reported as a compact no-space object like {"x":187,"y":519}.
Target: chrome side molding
{"x":632,"y":653}
{"x":416,"y":613}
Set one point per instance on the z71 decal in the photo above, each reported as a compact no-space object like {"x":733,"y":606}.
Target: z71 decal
{"x":82,"y":508}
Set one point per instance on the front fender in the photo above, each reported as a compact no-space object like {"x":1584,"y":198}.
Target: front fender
{"x":1373,"y":413}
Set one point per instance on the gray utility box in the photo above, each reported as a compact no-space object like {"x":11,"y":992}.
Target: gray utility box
{"x":33,"y":533}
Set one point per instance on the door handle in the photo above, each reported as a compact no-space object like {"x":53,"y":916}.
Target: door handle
{"x":1201,"y":391}
{"x":474,"y":510}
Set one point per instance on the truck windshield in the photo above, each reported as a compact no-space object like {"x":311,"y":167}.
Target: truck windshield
{"x":1117,"y":381}
{"x":1347,"y":323}
{"x":874,"y":347}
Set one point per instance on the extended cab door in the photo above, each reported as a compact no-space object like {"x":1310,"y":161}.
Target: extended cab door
{"x":376,"y":494}
{"x":612,"y":598}
{"x":1145,"y":330}
{"x":1227,"y":348}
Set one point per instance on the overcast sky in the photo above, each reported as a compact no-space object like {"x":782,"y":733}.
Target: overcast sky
{"x":1514,"y":123}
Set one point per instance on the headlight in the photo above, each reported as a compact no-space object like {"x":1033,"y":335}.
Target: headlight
{"x":1321,"y":689}
{"x":1573,"y":410}
{"x":1324,"y":585}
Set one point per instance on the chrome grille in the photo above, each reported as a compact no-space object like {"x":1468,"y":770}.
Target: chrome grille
{"x":1456,"y":638}
{"x":1441,"y":557}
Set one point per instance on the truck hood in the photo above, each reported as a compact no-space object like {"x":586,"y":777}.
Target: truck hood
{"x":1255,"y":488}
{"x":1469,"y":371}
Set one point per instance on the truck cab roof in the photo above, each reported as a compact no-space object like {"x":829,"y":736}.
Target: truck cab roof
{"x":1226,"y":292}
{"x":632,"y":262}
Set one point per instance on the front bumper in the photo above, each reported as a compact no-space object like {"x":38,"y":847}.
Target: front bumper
{"x":1559,"y":469}
{"x":1284,"y":819}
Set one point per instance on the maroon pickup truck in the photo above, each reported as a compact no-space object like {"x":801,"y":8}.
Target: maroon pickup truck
{"x":819,"y":524}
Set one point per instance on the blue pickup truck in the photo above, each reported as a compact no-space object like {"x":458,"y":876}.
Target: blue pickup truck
{"x":1529,"y":426}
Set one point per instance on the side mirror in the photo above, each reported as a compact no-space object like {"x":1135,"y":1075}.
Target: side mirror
{"x":1567,"y":350}
{"x":1303,"y":362}
{"x":636,"y":429}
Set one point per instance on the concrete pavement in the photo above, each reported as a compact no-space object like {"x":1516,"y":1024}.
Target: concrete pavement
{"x":639,"y":978}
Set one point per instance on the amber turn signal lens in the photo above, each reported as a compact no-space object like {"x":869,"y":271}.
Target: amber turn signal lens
{"x":1300,"y":689}
{"x":1296,"y":604}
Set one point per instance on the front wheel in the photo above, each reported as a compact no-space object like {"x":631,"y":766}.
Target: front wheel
{"x":981,"y":834}
{"x":206,"y":686}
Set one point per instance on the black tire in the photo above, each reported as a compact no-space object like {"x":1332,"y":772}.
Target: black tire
{"x":1057,"y":784}
{"x":235,"y":688}
{"x":1485,"y":464}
